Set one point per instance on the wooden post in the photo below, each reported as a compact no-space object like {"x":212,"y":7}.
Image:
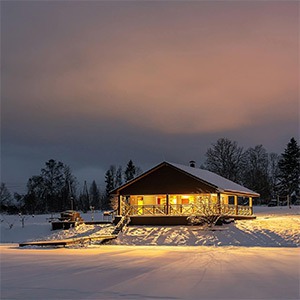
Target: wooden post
{"x":219,"y":203}
{"x":250,"y":204}
{"x":119,"y":205}
{"x":167,"y":203}
{"x":236,"y":204}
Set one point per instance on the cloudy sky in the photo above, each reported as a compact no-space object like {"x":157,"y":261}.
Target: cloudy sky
{"x":95,"y":83}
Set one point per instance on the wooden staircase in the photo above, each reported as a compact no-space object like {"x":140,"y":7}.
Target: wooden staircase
{"x":121,"y":224}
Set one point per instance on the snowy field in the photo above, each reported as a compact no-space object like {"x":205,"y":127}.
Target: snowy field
{"x":258,"y":259}
{"x":273,"y":227}
{"x":38,"y":227}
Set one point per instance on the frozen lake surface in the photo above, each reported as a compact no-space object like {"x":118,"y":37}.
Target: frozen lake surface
{"x":147,"y":272}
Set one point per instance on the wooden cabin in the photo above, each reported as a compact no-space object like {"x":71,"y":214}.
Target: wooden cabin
{"x":169,"y":193}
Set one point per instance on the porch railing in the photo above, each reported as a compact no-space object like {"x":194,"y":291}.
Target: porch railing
{"x":186,"y":210}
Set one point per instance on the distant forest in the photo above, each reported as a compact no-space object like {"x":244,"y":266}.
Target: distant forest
{"x":56,"y":188}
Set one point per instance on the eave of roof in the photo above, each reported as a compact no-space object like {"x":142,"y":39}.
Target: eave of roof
{"x":218,"y":182}
{"x":221,"y":183}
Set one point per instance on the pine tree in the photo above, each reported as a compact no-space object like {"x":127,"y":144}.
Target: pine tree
{"x":289,"y":170}
{"x":110,"y":181}
{"x":84,"y":198}
{"x":130,"y":171}
{"x":95,"y":196}
{"x":119,"y":177}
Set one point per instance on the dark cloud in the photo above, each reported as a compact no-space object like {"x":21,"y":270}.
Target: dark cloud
{"x":99,"y":83}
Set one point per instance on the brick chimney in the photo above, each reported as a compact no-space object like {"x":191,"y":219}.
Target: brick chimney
{"x":192,"y":163}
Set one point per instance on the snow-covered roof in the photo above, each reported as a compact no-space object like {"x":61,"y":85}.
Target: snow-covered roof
{"x":219,"y":183}
{"x":222,"y":184}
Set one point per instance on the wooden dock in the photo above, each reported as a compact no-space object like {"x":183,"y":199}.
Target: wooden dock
{"x":80,"y":240}
{"x":66,"y":242}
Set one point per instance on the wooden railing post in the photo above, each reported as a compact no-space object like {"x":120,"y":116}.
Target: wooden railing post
{"x":219,"y":203}
{"x":236,"y":205}
{"x":168,"y":204}
{"x":251,"y":205}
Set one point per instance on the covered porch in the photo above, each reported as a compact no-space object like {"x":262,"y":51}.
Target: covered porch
{"x":185,"y":205}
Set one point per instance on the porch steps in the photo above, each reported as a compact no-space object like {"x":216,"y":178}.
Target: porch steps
{"x":121,"y":224}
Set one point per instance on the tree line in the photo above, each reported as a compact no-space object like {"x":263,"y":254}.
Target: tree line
{"x":268,"y":174}
{"x":56,"y":188}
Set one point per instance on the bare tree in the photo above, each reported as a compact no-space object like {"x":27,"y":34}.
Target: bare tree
{"x":52,"y":189}
{"x":255,"y":171}
{"x":5,"y":197}
{"x":225,"y":158}
{"x":273,"y":171}
{"x":209,"y":215}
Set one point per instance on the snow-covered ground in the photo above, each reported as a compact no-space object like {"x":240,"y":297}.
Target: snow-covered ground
{"x":273,"y":227}
{"x":255,"y":259}
{"x":38,"y":227}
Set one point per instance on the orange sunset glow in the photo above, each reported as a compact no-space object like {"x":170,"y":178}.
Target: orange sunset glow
{"x":150,"y":78}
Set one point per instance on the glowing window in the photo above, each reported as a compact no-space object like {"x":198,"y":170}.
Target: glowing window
{"x":185,"y":201}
